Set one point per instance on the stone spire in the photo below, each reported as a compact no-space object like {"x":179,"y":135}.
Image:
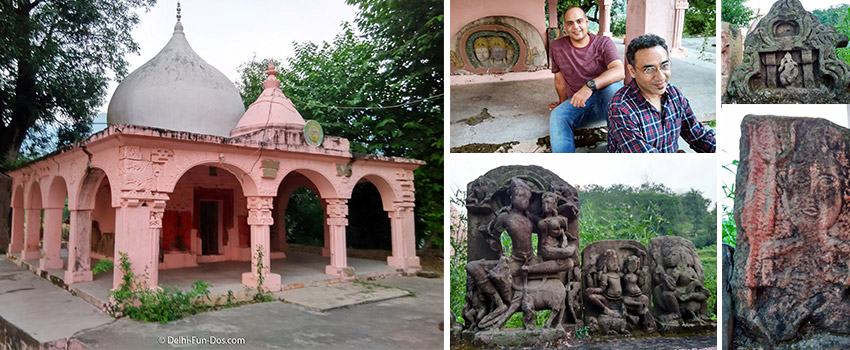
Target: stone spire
{"x":271,"y":110}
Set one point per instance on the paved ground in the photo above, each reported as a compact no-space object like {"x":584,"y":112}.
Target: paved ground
{"x":297,"y":268}
{"x":33,"y":311}
{"x":401,"y":323}
{"x":517,"y":110}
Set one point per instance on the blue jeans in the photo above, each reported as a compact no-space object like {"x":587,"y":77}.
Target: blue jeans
{"x":565,"y":118}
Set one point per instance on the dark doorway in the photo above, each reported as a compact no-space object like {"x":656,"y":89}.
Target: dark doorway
{"x":209,"y":227}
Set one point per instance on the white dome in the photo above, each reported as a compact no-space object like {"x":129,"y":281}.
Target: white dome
{"x":177,"y":90}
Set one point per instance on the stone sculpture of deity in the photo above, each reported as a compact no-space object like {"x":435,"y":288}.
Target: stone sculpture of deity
{"x":679,"y":294}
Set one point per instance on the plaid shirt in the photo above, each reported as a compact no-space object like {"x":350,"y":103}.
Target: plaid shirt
{"x":635,"y":125}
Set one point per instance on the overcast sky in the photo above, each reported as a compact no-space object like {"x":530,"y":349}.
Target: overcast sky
{"x":809,"y":5}
{"x":228,"y":33}
{"x":679,"y":172}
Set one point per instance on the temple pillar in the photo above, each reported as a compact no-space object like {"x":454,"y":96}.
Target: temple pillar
{"x":605,"y":17}
{"x":337,"y":210}
{"x":138,"y":227}
{"x":79,"y":248}
{"x":260,"y":220}
{"x":16,"y":244}
{"x":676,"y":49}
{"x":31,"y":235}
{"x":403,"y":238}
{"x":552,"y":9}
{"x":648,"y":16}
{"x":51,"y":258}
{"x":326,"y":250}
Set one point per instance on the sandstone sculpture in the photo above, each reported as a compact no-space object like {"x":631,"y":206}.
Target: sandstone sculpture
{"x":790,"y":278}
{"x":789,"y":57}
{"x":679,"y":296}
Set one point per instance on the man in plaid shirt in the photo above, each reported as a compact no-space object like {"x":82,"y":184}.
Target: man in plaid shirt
{"x":648,"y":115}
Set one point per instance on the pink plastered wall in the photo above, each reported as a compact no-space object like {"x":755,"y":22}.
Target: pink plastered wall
{"x":465,"y":11}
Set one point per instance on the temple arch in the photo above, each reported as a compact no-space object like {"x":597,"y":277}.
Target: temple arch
{"x":32,"y":232}
{"x":57,"y":195}
{"x":16,"y":243}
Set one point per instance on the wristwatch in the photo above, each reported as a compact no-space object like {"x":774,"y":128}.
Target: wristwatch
{"x":591,"y":84}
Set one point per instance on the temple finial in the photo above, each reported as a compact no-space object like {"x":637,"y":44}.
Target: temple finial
{"x":178,"y":11}
{"x":271,"y":79}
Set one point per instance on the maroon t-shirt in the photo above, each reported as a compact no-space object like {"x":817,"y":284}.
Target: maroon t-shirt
{"x":582,"y":64}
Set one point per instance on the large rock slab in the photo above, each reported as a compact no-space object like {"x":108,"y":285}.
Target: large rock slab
{"x":790,"y":278}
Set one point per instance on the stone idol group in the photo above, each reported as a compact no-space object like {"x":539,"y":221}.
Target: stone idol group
{"x":618,"y":286}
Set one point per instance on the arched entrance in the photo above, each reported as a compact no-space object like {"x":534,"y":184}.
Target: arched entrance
{"x":32,"y":231}
{"x":92,"y":227}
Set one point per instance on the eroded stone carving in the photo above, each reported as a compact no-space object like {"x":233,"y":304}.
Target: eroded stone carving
{"x":679,"y":296}
{"x":616,"y":287}
{"x":789,"y":57}
{"x":520,"y":280}
{"x":790,"y":283}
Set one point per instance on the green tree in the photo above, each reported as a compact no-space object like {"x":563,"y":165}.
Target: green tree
{"x":409,"y":38}
{"x":381,"y":90}
{"x":700,"y":17}
{"x":55,"y":56}
{"x":736,"y":13}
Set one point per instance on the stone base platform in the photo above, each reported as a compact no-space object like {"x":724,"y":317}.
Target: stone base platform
{"x":517,"y":337}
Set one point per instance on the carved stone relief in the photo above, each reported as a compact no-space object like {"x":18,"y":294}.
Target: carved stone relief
{"x":789,"y":57}
{"x":790,"y":279}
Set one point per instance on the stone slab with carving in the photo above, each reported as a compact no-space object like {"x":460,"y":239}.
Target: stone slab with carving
{"x":731,"y":52}
{"x":790,"y":282}
{"x":679,"y":297}
{"x":789,"y":57}
{"x":616,"y":287}
{"x":520,"y":201}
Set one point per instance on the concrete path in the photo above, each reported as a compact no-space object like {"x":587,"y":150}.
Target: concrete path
{"x":33,"y":311}
{"x":517,"y":104}
{"x":37,"y":314}
{"x":402,"y":323}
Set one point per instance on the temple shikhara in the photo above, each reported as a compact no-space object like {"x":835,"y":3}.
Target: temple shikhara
{"x":185,"y":176}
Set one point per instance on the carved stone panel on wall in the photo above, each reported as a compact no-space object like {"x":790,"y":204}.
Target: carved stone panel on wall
{"x":789,"y":57}
{"x":790,"y":282}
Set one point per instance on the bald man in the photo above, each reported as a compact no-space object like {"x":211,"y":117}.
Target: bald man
{"x":588,"y":71}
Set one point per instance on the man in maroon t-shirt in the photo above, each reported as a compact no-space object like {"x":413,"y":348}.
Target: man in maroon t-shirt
{"x":588,"y":71}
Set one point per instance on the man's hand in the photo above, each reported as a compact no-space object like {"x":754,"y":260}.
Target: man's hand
{"x":580,"y":97}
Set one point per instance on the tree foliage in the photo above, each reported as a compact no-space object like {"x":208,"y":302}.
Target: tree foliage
{"x":641,"y":213}
{"x":55,"y":57}
{"x":382,"y":90}
{"x":736,"y":13}
{"x":700,"y":18}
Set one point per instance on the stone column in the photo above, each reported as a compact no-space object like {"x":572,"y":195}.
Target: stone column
{"x":51,"y":258}
{"x":138,"y":227}
{"x":676,"y":49}
{"x":326,"y":250}
{"x":403,"y":238}
{"x":605,"y":17}
{"x":337,"y":210}
{"x":260,"y":220}
{"x":552,"y":8}
{"x":31,"y":235}
{"x":17,"y":240}
{"x":79,"y":248}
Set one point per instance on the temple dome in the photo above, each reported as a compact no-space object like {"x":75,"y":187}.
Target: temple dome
{"x":177,"y":90}
{"x":271,"y":110}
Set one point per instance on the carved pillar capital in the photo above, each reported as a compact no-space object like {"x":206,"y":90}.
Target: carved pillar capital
{"x":337,"y":210}
{"x":260,"y":210}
